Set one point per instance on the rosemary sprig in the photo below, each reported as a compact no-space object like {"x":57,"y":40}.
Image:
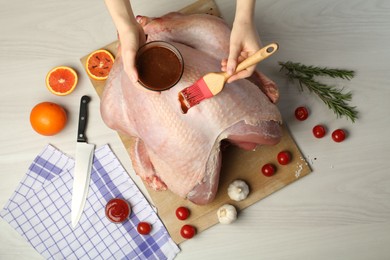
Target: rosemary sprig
{"x":311,"y":71}
{"x":334,"y":98}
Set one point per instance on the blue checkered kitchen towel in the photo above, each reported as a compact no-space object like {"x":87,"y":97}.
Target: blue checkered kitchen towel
{"x":40,"y":211}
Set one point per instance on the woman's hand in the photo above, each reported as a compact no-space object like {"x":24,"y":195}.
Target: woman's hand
{"x":244,"y":40}
{"x":130,"y":41}
{"x":130,"y":33}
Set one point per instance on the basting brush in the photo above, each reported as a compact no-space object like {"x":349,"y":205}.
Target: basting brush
{"x":212,"y":83}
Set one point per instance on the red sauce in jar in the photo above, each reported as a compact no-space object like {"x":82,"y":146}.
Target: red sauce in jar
{"x":159,"y":68}
{"x":117,"y":210}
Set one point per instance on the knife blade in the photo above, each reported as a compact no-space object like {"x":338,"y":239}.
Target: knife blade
{"x":83,"y":165}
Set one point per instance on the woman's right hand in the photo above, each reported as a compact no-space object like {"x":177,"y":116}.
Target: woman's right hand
{"x":130,"y":33}
{"x":130,"y":40}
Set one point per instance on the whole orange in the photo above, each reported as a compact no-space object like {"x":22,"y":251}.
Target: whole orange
{"x":48,"y":118}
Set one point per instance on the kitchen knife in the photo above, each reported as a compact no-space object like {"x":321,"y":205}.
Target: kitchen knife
{"x":83,"y":166}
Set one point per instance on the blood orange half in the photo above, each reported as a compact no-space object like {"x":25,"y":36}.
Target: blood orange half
{"x":61,"y":80}
{"x":99,"y":64}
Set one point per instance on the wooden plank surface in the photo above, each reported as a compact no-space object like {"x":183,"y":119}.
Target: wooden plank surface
{"x":236,"y":164}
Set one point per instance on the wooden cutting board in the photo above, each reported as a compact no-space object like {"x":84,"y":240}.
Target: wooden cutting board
{"x":236,"y":164}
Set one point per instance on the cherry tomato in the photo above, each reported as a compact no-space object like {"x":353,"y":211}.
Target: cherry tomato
{"x":188,"y":231}
{"x":338,"y":135}
{"x":284,"y":157}
{"x":144,"y":228}
{"x":182,"y":213}
{"x":268,"y":169}
{"x":301,"y":113}
{"x":319,"y":131}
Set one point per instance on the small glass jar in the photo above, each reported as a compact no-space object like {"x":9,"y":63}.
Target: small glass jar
{"x":160,"y":65}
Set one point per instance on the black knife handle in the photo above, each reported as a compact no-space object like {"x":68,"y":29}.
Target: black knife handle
{"x":83,"y":116}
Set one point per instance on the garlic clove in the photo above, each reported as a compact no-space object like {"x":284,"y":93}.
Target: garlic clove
{"x":238,"y":190}
{"x":227,"y":214}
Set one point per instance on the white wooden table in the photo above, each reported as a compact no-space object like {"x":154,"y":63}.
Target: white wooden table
{"x":340,"y":211}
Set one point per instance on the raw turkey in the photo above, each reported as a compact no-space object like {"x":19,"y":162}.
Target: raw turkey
{"x":181,"y":152}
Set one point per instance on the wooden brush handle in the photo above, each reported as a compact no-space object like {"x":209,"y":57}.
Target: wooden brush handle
{"x":260,"y":55}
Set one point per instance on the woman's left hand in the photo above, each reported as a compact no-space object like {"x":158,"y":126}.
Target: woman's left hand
{"x":244,"y":42}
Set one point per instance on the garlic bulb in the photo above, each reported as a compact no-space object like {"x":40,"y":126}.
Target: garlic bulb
{"x":227,"y":214}
{"x":238,"y":190}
